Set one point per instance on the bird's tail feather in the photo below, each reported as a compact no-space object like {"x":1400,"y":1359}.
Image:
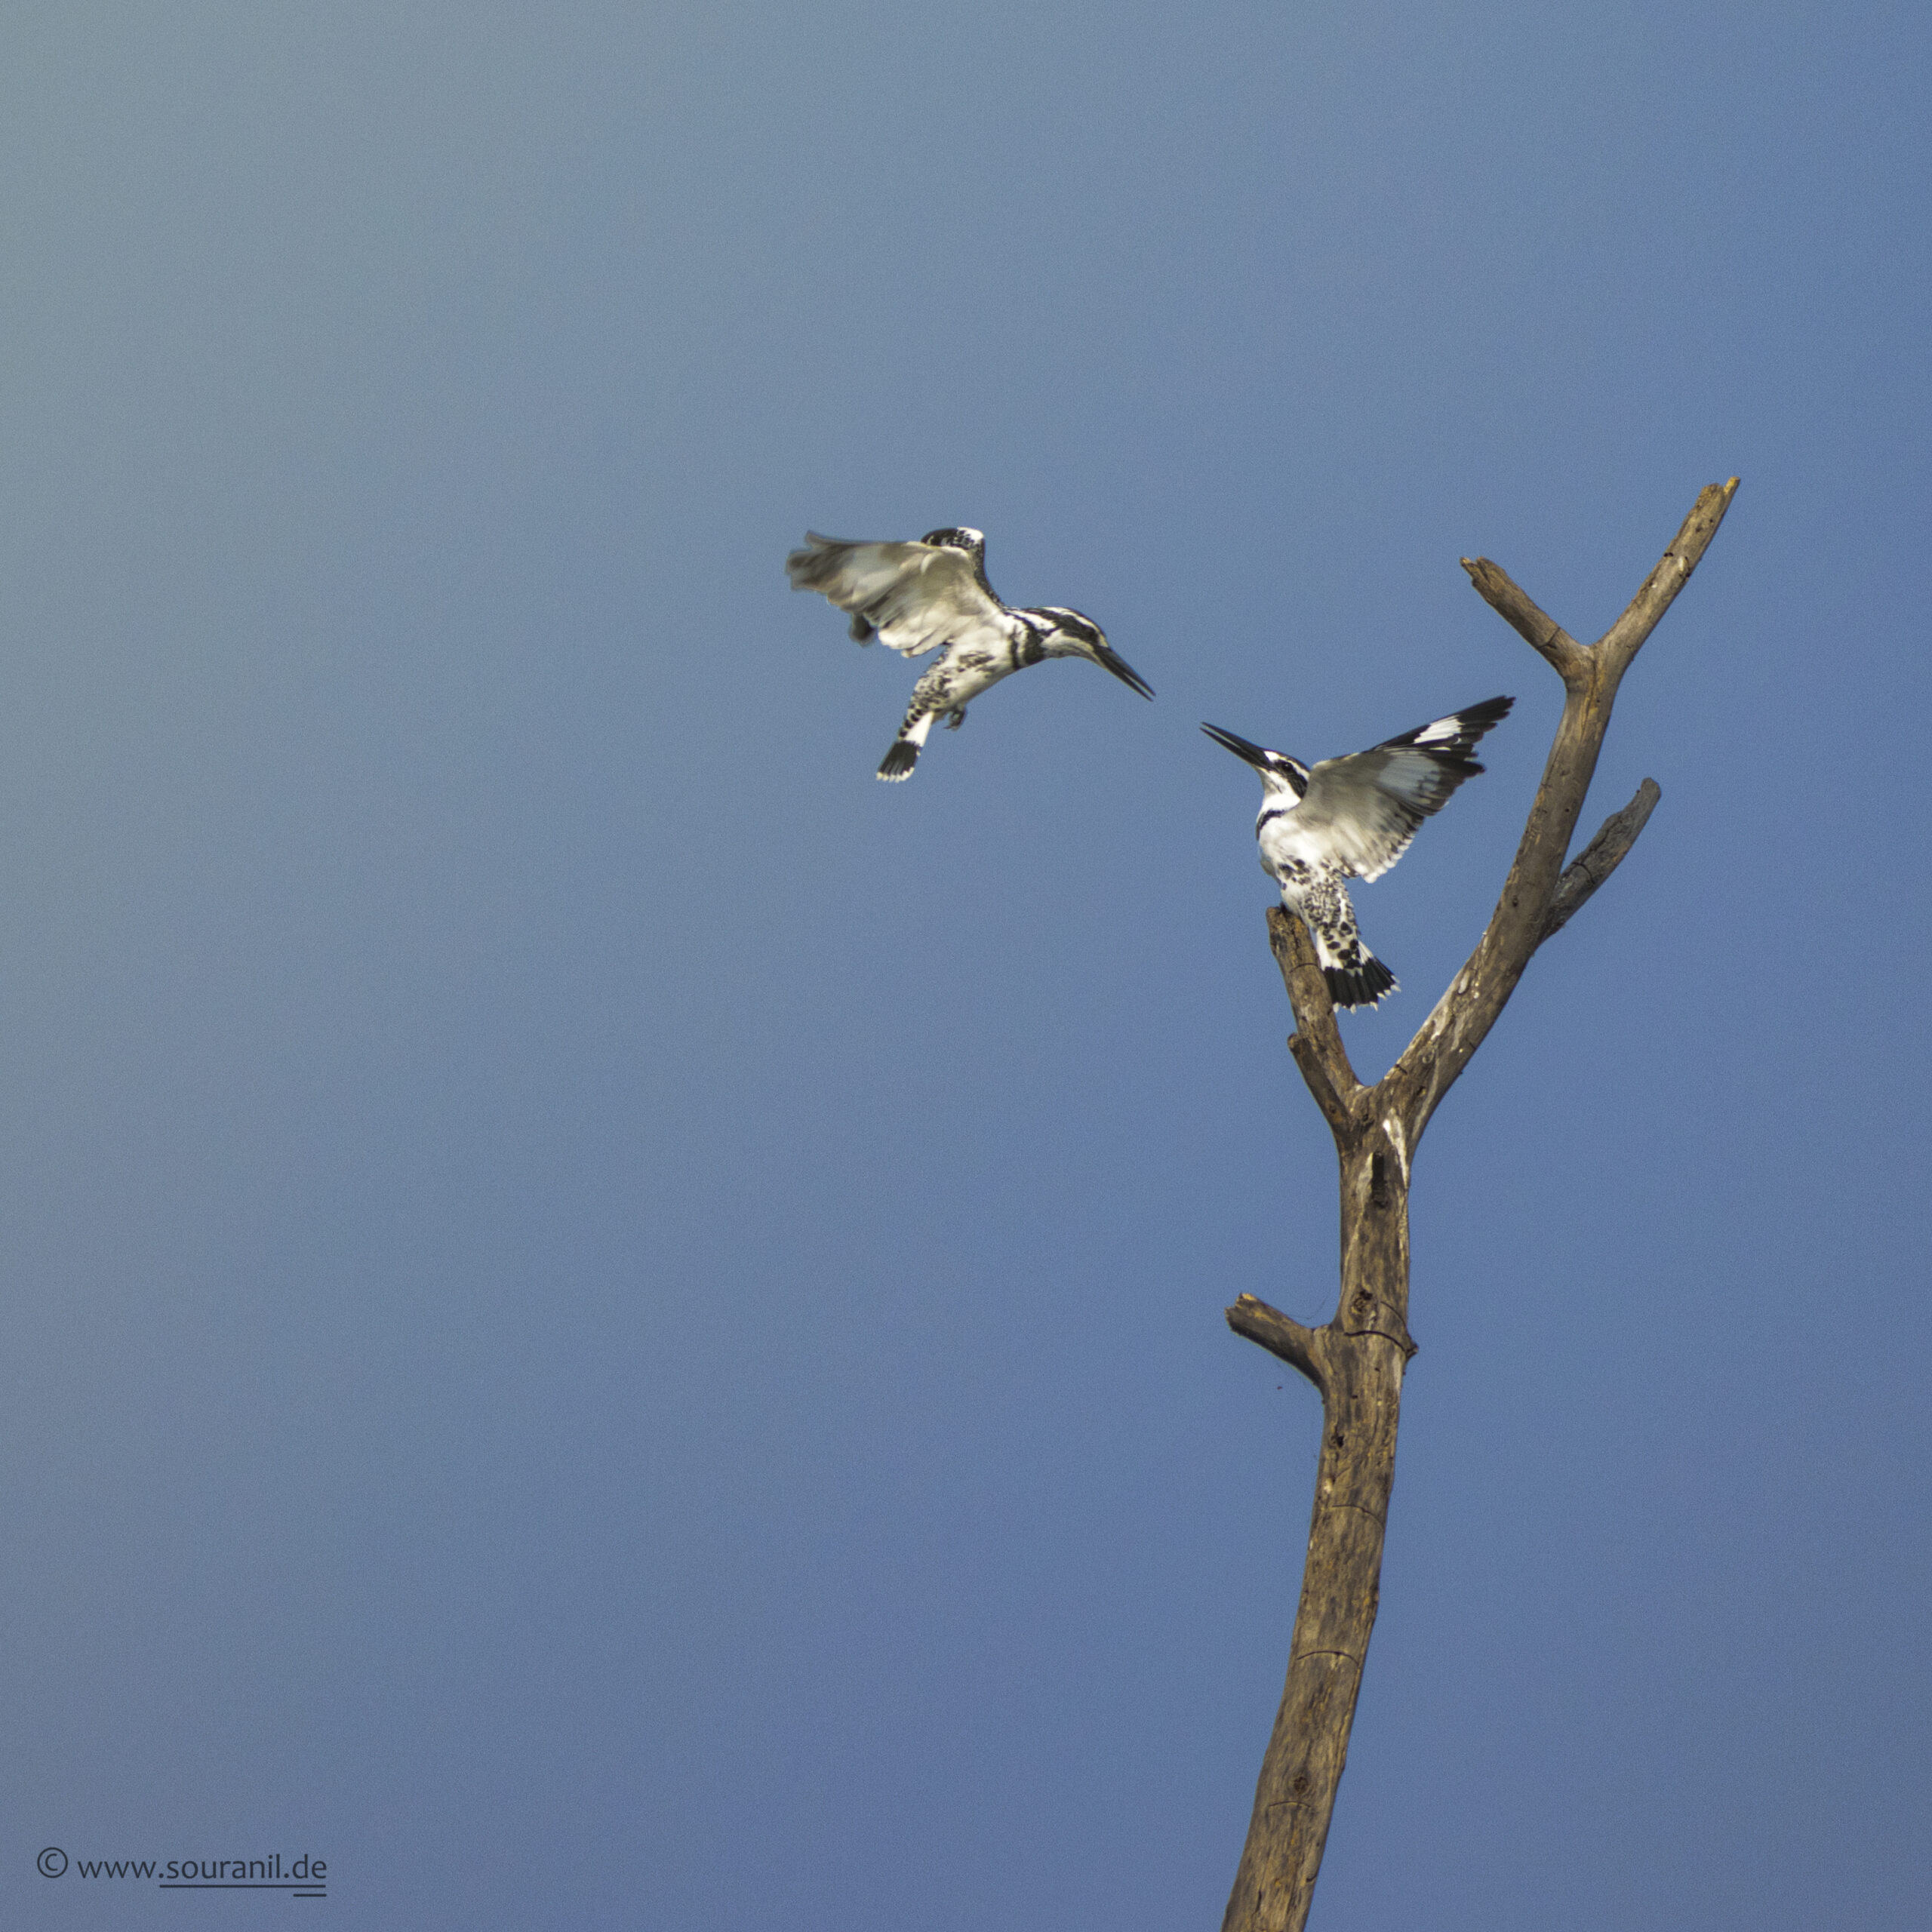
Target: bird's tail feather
{"x":1355,"y":977}
{"x":1362,"y":983}
{"x":898,"y":762}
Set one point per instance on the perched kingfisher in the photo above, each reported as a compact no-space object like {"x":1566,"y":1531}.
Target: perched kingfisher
{"x":1352,"y":818}
{"x":934,"y":595}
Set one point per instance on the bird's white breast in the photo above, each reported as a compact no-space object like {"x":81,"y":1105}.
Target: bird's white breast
{"x":1286,"y":841}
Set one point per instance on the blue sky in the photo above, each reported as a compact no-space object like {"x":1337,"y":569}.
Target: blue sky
{"x":610,"y":1323}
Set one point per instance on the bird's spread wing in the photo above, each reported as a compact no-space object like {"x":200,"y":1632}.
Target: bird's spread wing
{"x":1369,"y":805}
{"x":915,"y":595}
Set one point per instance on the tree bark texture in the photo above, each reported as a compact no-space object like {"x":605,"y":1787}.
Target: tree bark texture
{"x":1356,"y":1359}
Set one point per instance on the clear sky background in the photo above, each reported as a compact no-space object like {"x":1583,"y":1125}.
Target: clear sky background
{"x":610,"y":1324}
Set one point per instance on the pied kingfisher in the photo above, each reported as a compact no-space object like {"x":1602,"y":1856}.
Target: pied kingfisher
{"x":1352,"y":818}
{"x":918,"y":596}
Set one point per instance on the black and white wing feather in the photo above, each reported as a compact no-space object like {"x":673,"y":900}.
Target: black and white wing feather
{"x":916,"y":596}
{"x":1368,"y":806}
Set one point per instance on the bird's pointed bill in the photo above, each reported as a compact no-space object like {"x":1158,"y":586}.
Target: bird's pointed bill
{"x":1240,"y":747}
{"x":1110,"y":660}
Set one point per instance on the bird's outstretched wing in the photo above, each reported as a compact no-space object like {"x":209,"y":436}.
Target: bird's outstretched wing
{"x":916,"y":596}
{"x":1369,"y":805}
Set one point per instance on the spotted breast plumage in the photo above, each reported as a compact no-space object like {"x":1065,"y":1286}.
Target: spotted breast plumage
{"x":1321,"y":825}
{"x":934,"y":595}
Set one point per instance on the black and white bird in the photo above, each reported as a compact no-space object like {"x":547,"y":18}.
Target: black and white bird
{"x":1346,"y":818}
{"x":934,"y":595}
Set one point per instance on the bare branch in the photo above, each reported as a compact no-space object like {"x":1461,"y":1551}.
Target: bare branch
{"x":1462,"y":1018}
{"x":1600,"y":857}
{"x":1626,"y":638}
{"x":1317,"y":1043}
{"x":1544,"y":633}
{"x":1280,"y":1334}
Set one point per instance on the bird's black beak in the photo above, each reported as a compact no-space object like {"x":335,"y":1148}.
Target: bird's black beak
{"x":1241,"y":749}
{"x":1108,"y":658}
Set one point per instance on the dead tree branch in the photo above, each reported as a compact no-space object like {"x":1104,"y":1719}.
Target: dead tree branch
{"x":1542,"y":630}
{"x":1280,"y":1334}
{"x":1431,"y":1063}
{"x":1600,"y":857}
{"x":1316,"y":1043}
{"x":1357,"y":1358}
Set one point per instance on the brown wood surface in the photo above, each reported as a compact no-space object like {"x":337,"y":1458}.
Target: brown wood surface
{"x":1356,"y":1359}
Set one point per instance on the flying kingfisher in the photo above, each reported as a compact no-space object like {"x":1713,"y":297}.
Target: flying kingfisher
{"x":934,"y":595}
{"x":1352,"y":818}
